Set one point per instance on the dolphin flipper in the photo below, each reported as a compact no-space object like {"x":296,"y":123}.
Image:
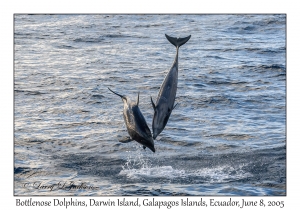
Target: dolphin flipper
{"x":174,"y":106}
{"x":125,"y":140}
{"x":138,"y":99}
{"x":153,"y":105}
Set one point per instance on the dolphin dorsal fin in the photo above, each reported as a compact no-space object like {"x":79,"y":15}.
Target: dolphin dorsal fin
{"x":153,"y":105}
{"x":138,"y":99}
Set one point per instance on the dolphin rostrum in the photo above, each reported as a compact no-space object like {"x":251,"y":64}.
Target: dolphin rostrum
{"x":135,"y":122}
{"x":167,"y":93}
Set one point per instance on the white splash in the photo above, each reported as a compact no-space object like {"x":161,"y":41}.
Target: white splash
{"x":221,"y":174}
{"x":139,"y":165}
{"x":155,"y":172}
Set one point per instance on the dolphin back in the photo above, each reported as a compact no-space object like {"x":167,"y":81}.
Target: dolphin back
{"x":177,"y":42}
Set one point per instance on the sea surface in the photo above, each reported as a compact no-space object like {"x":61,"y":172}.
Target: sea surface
{"x":227,"y":136}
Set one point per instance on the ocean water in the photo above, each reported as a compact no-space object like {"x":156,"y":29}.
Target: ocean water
{"x":227,"y":136}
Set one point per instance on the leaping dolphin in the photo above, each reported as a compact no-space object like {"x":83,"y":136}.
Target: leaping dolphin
{"x":167,"y":93}
{"x":135,"y":122}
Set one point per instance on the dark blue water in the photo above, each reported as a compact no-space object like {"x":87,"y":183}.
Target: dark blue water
{"x":227,"y":136}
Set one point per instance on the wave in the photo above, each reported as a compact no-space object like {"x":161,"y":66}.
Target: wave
{"x":216,"y":57}
{"x":29,"y":92}
{"x":264,"y":67}
{"x":232,"y":136}
{"x":267,"y":20}
{"x":273,"y":66}
{"x":148,"y":25}
{"x":89,"y":39}
{"x":247,"y":49}
{"x":66,"y":47}
{"x":107,"y":37}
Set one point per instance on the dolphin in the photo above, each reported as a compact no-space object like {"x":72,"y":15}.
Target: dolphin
{"x":167,"y":93}
{"x":136,"y":124}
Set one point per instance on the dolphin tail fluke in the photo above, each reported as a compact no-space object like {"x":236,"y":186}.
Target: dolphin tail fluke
{"x":177,"y":42}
